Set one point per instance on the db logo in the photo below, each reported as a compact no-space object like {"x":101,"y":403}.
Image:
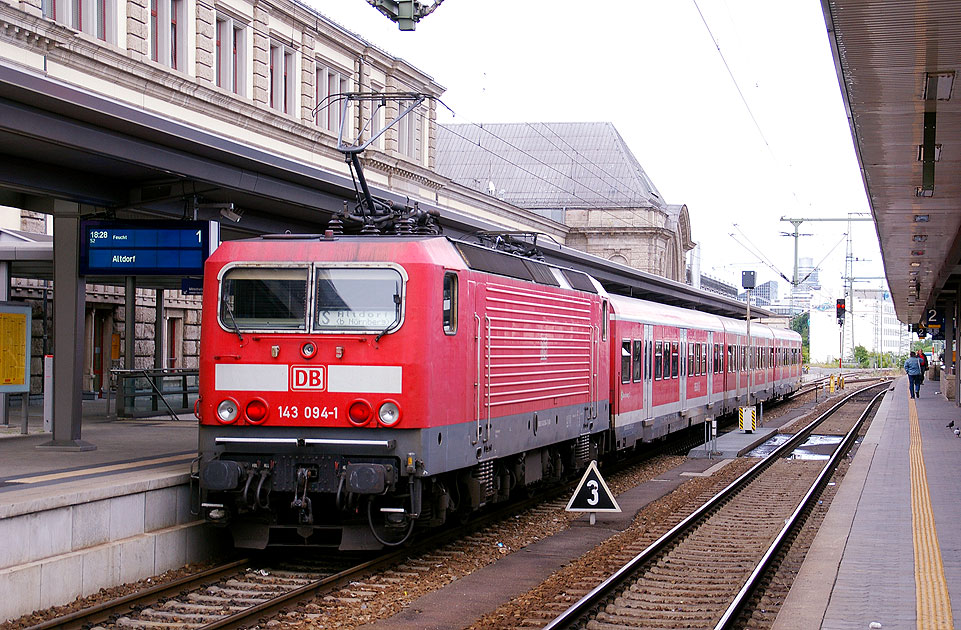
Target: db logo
{"x":306,"y":377}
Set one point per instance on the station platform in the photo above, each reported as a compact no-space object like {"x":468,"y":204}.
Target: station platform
{"x":888,"y":554}
{"x":74,"y":522}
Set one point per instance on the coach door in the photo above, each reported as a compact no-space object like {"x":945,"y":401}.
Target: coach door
{"x":648,"y":370}
{"x":710,"y":367}
{"x":683,"y":369}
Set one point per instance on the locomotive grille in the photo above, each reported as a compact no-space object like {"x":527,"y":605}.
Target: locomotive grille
{"x":582,"y":449}
{"x":484,"y":473}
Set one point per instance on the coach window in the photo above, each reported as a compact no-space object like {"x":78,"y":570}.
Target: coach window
{"x":638,"y":360}
{"x":625,"y":360}
{"x":675,"y":360}
{"x":648,"y":356}
{"x":358,"y":299}
{"x":667,"y":360}
{"x":259,"y":298}
{"x":450,"y":303}
{"x":658,"y":358}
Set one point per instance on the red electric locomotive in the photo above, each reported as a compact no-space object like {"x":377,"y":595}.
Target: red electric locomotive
{"x":354,"y":387}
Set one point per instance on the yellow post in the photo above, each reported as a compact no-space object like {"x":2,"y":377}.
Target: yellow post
{"x":832,"y":384}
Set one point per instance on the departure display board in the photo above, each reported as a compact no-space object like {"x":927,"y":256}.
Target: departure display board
{"x":15,"y":323}
{"x":142,"y":248}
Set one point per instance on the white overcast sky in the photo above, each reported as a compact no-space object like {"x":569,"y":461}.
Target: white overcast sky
{"x":652,"y":69}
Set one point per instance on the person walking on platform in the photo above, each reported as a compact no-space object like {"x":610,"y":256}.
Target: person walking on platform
{"x":913,"y":367}
{"x":923,"y":360}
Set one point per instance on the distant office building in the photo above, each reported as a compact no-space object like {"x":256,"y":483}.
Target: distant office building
{"x":762,"y":295}
{"x":720,"y":287}
{"x":870,"y":322}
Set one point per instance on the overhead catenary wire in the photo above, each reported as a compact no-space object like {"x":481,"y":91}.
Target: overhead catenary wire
{"x":760,"y":259}
{"x":600,"y":172}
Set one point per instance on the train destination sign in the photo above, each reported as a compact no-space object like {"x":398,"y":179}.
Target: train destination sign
{"x":130,"y":248}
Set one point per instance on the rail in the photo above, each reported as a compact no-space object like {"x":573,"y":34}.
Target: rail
{"x":576,"y":614}
{"x":144,"y":393}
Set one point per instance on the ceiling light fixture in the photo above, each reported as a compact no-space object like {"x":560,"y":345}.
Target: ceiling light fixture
{"x":924,"y":191}
{"x":915,"y":264}
{"x":937,"y":153}
{"x":920,"y":238}
{"x":920,"y":218}
{"x":938,"y":85}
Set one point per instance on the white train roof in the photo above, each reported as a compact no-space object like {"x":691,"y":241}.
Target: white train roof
{"x":634,"y":310}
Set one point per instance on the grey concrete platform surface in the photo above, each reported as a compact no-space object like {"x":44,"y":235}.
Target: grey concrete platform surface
{"x":74,"y":522}
{"x":862,"y":568}
{"x":733,"y":443}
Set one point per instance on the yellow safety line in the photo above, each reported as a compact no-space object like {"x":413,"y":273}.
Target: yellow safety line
{"x":102,"y":469}
{"x":934,"y":602}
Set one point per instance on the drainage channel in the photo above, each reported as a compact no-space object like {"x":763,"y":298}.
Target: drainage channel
{"x":814,"y":447}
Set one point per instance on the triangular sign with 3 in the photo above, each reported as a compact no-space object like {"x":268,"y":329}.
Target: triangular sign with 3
{"x":592,"y":494}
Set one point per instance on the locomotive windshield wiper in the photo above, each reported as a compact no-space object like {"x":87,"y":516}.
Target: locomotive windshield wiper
{"x":233,"y":321}
{"x":390,"y":325}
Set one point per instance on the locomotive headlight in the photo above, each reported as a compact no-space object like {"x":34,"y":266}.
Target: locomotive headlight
{"x":227,"y":411}
{"x":256,"y":411}
{"x":389,"y":413}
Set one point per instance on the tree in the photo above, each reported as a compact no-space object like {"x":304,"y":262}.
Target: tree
{"x":862,"y":356}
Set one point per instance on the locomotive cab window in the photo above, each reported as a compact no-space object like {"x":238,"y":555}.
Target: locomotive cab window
{"x":450,"y":303}
{"x":263,"y":298}
{"x":357,"y":299}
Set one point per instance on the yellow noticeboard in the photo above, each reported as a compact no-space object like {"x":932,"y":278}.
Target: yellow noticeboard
{"x":15,"y":322}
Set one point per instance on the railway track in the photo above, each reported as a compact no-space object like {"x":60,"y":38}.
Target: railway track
{"x":701,"y":572}
{"x":242,"y":592}
{"x":239,"y":593}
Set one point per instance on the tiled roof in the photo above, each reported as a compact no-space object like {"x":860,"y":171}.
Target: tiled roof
{"x":546,"y":165}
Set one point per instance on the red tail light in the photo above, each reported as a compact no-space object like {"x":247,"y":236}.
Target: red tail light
{"x":359,"y":412}
{"x":256,"y":411}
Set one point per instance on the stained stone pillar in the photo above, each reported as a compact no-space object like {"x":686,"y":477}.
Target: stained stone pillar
{"x":137,"y":28}
{"x":261,"y":60}
{"x":33,"y":7}
{"x":308,"y":77}
{"x":206,"y":42}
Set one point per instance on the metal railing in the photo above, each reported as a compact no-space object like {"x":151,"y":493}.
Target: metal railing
{"x":142,"y":393}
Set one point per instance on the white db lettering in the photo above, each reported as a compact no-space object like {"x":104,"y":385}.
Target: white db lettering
{"x":307,"y":377}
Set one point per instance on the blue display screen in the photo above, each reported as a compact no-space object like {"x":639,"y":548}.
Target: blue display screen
{"x":144,"y":247}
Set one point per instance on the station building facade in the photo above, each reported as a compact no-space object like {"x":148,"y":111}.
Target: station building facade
{"x":265,"y":73}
